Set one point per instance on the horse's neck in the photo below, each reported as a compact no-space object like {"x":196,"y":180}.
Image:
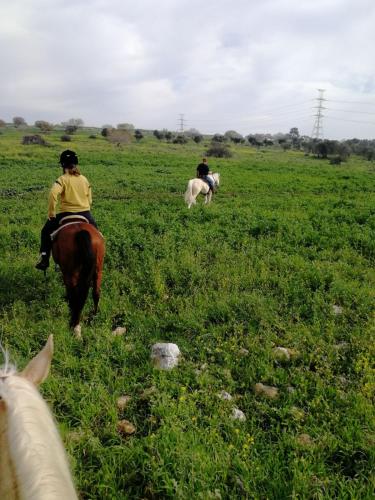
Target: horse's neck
{"x":8,"y":482}
{"x":35,"y":449}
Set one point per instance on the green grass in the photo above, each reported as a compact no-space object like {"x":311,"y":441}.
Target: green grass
{"x":285,"y":239}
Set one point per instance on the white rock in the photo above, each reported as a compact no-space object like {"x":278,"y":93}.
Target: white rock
{"x":337,"y":309}
{"x":238,"y":415}
{"x":120,"y":330}
{"x":281,"y":353}
{"x":266,"y":390}
{"x":165,"y":355}
{"x":122,"y":402}
{"x":243,"y":352}
{"x":224,"y":395}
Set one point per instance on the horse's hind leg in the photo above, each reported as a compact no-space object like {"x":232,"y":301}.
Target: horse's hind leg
{"x":96,"y":290}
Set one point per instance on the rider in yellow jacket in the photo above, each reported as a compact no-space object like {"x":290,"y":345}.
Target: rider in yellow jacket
{"x":74,"y":191}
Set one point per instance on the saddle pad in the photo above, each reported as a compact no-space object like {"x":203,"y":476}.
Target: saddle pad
{"x":68,"y":218}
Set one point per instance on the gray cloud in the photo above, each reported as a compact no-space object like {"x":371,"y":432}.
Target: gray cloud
{"x":247,"y":65}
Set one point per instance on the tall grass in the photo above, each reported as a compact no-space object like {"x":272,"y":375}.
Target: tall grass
{"x":286,"y":238}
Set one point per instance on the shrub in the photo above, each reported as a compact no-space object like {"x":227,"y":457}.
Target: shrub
{"x":158,"y":134}
{"x":138,"y":135}
{"x":180,"y":139}
{"x":2,"y":123}
{"x":219,"y":150}
{"x":92,"y":136}
{"x":65,"y":138}
{"x":18,"y":121}
{"x":71,"y":129}
{"x":336,"y":160}
{"x":33,"y":139}
{"x":119,"y":136}
{"x":43,"y":125}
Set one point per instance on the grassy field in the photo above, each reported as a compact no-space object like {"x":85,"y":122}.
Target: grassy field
{"x":285,"y":240}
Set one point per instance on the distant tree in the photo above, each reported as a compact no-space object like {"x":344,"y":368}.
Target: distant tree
{"x":125,"y":126}
{"x":75,"y":122}
{"x":71,"y":129}
{"x":267,"y":142}
{"x":198,"y":138}
{"x":18,"y":121}
{"x":192,"y":132}
{"x":252,"y":139}
{"x":180,"y":139}
{"x":105,"y":131}
{"x":294,"y":137}
{"x":138,"y":135}
{"x":168,"y":135}
{"x":2,"y":124}
{"x":219,"y":150}
{"x":218,"y":138}
{"x":232,"y":134}
{"x":158,"y":134}
{"x":43,"y":125}
{"x":119,"y":137}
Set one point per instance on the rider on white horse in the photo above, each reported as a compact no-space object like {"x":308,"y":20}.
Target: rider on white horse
{"x":202,"y":173}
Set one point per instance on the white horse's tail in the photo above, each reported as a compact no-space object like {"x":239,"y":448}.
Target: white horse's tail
{"x":189,"y":198}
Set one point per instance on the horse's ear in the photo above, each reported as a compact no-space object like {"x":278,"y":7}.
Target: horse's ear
{"x":38,"y":368}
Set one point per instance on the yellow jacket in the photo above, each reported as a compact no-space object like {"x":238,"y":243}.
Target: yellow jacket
{"x":75,"y":194}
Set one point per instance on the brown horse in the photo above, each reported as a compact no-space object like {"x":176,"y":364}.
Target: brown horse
{"x":78,"y":248}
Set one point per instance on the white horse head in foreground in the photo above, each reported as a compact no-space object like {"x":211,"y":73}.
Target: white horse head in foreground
{"x":196,"y":186}
{"x":33,"y":464}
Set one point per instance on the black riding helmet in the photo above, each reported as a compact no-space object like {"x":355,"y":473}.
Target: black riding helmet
{"x":68,"y":158}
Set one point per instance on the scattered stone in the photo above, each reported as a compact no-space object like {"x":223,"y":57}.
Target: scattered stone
{"x":120,"y":330}
{"x":341,"y":346}
{"x":125,"y":428}
{"x":165,"y":355}
{"x":337,"y":309}
{"x":122,"y":402}
{"x":243,"y":352}
{"x":281,"y":353}
{"x":266,"y":390}
{"x":305,"y":440}
{"x":150,"y":391}
{"x":297,"y":413}
{"x":224,"y":395}
{"x":343,"y":380}
{"x":238,"y":415}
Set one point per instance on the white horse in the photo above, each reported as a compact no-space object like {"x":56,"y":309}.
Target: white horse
{"x":33,"y":464}
{"x":196,"y":186}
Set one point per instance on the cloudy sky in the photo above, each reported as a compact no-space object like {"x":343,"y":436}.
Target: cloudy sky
{"x":245,"y":65}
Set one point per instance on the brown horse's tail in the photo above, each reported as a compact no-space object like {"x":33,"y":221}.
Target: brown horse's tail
{"x":77,"y":296}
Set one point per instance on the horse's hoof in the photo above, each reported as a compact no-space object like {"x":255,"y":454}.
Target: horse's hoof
{"x":77,"y":332}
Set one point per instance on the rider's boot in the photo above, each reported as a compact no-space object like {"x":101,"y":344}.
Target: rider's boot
{"x":43,"y":263}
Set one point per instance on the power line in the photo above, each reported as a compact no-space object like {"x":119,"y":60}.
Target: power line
{"x":352,"y":102}
{"x":352,"y":111}
{"x":346,"y":120}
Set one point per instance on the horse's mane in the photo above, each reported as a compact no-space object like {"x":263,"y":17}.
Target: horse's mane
{"x":34,"y":444}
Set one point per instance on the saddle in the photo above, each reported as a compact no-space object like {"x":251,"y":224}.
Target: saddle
{"x":67,"y":221}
